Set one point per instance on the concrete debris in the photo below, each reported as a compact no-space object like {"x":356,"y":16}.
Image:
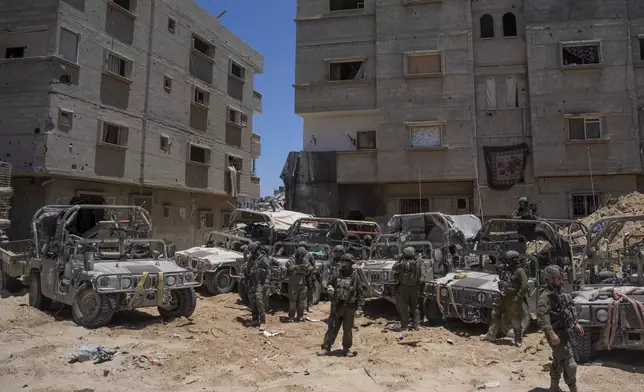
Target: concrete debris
{"x":490,"y":385}
{"x":272,"y":203}
{"x":91,"y":352}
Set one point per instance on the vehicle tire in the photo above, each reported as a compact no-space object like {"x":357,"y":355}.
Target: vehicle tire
{"x":219,"y":282}
{"x":317,"y":292}
{"x":36,"y":298}
{"x":9,"y":283}
{"x":183,"y":303}
{"x":432,"y":312}
{"x":92,"y":310}
{"x":243,"y":293}
{"x":584,"y":351}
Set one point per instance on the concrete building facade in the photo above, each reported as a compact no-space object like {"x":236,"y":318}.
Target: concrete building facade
{"x":146,"y":102}
{"x":463,"y":106}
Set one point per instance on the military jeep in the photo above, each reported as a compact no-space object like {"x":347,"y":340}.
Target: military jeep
{"x":99,"y":259}
{"x":221,"y":253}
{"x":610,"y":297}
{"x":471,"y":294}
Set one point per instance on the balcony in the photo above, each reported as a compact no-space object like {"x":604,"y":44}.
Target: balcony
{"x":255,"y":146}
{"x":201,"y":66}
{"x":256,"y":103}
{"x":332,"y":96}
{"x":254,"y":187}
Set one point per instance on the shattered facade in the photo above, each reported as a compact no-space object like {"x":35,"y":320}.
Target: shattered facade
{"x":460,"y":106}
{"x":97,"y":107}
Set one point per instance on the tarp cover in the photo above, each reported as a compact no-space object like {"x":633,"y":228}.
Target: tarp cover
{"x":283,"y":220}
{"x":468,"y":224}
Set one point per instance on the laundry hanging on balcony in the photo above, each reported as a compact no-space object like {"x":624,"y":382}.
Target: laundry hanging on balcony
{"x":505,"y":166}
{"x":232,"y":172}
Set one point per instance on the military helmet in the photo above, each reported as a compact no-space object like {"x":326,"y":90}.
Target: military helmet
{"x":347,"y":258}
{"x":303,"y":244}
{"x":409,"y":252}
{"x":553,"y":271}
{"x":254,"y":246}
{"x":512,"y":255}
{"x":244,"y":248}
{"x":338,"y":249}
{"x":367,"y":238}
{"x":523,"y":201}
{"x":301,"y":251}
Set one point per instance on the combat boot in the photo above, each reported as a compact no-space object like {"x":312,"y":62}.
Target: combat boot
{"x":486,"y":337}
{"x":348,"y":353}
{"x":554,"y":386}
{"x":573,"y":388}
{"x":325,"y":351}
{"x":262,"y":327}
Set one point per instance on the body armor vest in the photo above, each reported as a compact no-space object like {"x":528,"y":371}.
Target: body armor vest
{"x":344,"y":289}
{"x":410,"y":275}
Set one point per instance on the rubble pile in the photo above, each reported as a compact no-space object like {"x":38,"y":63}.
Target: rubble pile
{"x":272,"y":203}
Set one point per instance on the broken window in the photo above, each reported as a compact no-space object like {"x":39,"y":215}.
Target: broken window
{"x":199,"y":154}
{"x":584,"y":128}
{"x":581,"y":54}
{"x":509,"y":25}
{"x":172,"y":25}
{"x":490,"y":93}
{"x":641,"y":48}
{"x":351,"y":70}
{"x":206,"y":219}
{"x":126,"y":4}
{"x":202,"y":97}
{"x":167,"y":84}
{"x":426,"y":63}
{"x":584,"y":205}
{"x":119,"y":66}
{"x":166,"y":210}
{"x":339,"y":5}
{"x":487,"y":26}
{"x":237,"y":70}
{"x":461,"y":204}
{"x":164,"y":143}
{"x":15,"y":53}
{"x":235,"y":162}
{"x":202,"y":46}
{"x":413,"y":206}
{"x":65,"y":119}
{"x":114,"y":135}
{"x":68,"y":46}
{"x":366,"y":140}
{"x":237,"y":117}
{"x":426,"y":136}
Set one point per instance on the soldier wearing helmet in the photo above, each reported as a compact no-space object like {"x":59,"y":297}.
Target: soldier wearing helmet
{"x":366,"y":247}
{"x":410,"y":273}
{"x":557,"y":319}
{"x":311,"y":278}
{"x":526,"y":210}
{"x":257,"y":271}
{"x":298,"y":269}
{"x":347,"y":300}
{"x":513,"y":287}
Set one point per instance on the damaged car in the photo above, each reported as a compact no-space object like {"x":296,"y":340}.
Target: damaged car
{"x":99,"y":259}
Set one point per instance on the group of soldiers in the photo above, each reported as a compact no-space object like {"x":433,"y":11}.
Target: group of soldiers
{"x":555,"y":315}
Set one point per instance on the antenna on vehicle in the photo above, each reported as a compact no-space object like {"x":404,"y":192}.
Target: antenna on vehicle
{"x":592,"y":182}
{"x":478,"y":189}
{"x":222,"y":14}
{"x":420,"y":193}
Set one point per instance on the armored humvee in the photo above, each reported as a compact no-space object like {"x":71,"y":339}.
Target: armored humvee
{"x":99,"y":259}
{"x":221,"y":253}
{"x":471,"y":294}
{"x":610,"y":299}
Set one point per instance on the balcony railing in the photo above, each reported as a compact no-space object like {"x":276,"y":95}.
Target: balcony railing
{"x":257,"y":102}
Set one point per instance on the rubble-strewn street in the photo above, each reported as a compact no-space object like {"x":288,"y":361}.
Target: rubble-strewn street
{"x":215,"y":352}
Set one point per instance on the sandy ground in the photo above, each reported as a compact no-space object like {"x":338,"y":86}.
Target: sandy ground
{"x":214,"y":351}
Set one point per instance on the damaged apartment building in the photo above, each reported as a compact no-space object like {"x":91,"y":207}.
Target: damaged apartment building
{"x":464,"y":106}
{"x":145,"y":102}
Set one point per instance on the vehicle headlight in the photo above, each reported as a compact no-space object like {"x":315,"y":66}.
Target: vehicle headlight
{"x":481,"y":297}
{"x":108,"y":282}
{"x":443,"y":292}
{"x":602,"y":315}
{"x":104,"y":281}
{"x":126,"y":283}
{"x":170,"y":280}
{"x":189,"y":276}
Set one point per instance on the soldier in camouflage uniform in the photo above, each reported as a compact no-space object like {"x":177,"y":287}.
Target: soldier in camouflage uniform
{"x":557,"y":324}
{"x":411,"y":274}
{"x":311,"y":278}
{"x":366,"y":247}
{"x":513,"y":286}
{"x":257,"y":272}
{"x":526,"y":210}
{"x":298,"y":269}
{"x":347,"y":300}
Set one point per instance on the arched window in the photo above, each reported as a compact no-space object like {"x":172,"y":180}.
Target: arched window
{"x":509,"y":25}
{"x":487,"y":26}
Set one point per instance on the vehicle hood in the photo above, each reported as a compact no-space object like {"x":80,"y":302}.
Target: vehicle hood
{"x":378,"y":265}
{"x":472,"y":279}
{"x":136,"y":267}
{"x":212,"y":256}
{"x":591,"y":294}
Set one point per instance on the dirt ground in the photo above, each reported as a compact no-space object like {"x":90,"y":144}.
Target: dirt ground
{"x":214,"y":351}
